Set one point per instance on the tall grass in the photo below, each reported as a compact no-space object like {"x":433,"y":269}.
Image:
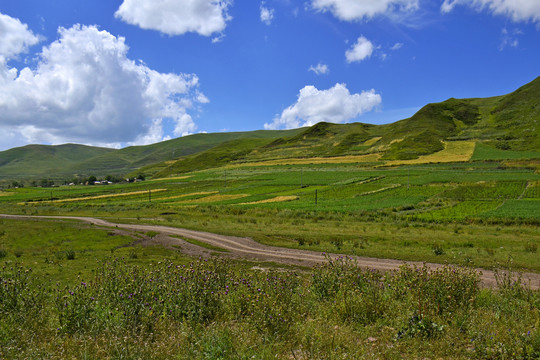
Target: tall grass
{"x":212,"y":309}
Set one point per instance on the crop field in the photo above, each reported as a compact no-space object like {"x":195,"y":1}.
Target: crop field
{"x":343,"y":208}
{"x":101,"y":292}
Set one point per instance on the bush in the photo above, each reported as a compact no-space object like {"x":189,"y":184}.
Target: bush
{"x":70,"y":254}
{"x":438,"y":250}
{"x":439,"y":291}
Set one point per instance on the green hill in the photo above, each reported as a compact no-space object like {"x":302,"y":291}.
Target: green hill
{"x":503,"y":127}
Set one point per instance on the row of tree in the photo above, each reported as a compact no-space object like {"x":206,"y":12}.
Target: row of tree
{"x":79,"y":180}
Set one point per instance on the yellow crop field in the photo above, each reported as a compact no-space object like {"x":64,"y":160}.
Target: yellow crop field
{"x":273,"y":200}
{"x":106,"y":196}
{"x":316,"y":160}
{"x":171,"y":178}
{"x":216,"y":198}
{"x":372,"y":141}
{"x":393,"y":186}
{"x":454,"y":151}
{"x":186,"y":195}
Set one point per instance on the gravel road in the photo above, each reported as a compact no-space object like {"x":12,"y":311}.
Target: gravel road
{"x":246,"y":248}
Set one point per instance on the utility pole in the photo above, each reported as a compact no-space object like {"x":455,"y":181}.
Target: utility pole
{"x":149,"y":195}
{"x":315,"y":196}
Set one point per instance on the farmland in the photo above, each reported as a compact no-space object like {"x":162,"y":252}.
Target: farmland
{"x":102,"y":292}
{"x":401,"y":212}
{"x":456,"y":184}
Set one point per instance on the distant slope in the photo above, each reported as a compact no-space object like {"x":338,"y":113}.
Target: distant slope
{"x":65,"y":161}
{"x":502,"y":123}
{"x":39,"y":160}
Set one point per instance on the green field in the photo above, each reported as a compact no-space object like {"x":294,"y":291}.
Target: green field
{"x":82,"y":291}
{"x":400,"y":212}
{"x":457,"y":184}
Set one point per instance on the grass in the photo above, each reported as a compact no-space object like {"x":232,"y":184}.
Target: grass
{"x":486,"y":152}
{"x":363,"y":211}
{"x":210,"y":309}
{"x":93,"y":292}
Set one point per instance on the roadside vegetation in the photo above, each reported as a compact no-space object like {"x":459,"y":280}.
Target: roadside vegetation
{"x":214,"y":309}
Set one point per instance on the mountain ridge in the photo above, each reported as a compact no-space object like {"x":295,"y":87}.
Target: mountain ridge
{"x":506,"y":122}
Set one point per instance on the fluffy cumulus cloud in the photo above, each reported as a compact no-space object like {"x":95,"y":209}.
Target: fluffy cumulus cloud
{"x":176,"y":17}
{"x":319,"y":69}
{"x":362,"y":49}
{"x":518,"y":10}
{"x":85,"y":89}
{"x":267,"y":15}
{"x":354,"y":10}
{"x":336,"y":105}
{"x":16,"y":38}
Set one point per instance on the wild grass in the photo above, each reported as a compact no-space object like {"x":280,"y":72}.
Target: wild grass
{"x":217,"y":309}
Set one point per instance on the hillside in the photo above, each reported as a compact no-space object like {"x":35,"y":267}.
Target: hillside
{"x":65,"y":161}
{"x":506,"y":124}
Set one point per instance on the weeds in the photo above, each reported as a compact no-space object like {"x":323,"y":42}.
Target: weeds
{"x":213,"y":309}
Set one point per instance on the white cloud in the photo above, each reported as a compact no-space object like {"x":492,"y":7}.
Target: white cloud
{"x":267,"y":15}
{"x":396,"y":46}
{"x":518,"y":10}
{"x":16,"y":38}
{"x":85,"y":89}
{"x":336,"y":105}
{"x":362,"y":49}
{"x":319,"y":69}
{"x":355,"y":10}
{"x":176,"y":17}
{"x":509,"y":38}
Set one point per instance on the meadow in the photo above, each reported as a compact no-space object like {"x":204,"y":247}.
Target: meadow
{"x":73,"y":290}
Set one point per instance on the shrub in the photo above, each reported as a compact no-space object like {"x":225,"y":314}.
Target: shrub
{"x":438,"y":250}
{"x":439,"y":291}
{"x":70,"y":254}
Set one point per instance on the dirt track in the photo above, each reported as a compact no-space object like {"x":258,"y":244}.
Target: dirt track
{"x":246,"y":248}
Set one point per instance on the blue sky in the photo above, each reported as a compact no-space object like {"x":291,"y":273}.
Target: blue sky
{"x":127,"y":72}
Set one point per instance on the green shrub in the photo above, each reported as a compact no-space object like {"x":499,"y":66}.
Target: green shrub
{"x":70,"y":254}
{"x":439,"y":291}
{"x":438,"y":250}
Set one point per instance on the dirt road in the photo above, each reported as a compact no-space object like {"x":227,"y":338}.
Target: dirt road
{"x":246,"y":248}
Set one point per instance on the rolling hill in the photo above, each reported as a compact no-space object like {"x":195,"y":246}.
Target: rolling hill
{"x":506,"y":124}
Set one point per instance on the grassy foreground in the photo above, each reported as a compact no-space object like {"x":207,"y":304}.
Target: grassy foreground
{"x":70,"y":290}
{"x":219,"y":310}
